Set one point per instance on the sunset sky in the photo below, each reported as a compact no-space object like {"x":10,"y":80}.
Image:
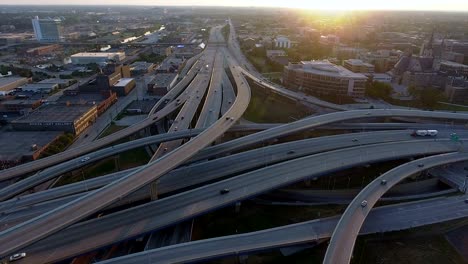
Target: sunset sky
{"x":448,"y":5}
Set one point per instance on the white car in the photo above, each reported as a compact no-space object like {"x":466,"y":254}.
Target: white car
{"x":17,"y":256}
{"x":85,"y":159}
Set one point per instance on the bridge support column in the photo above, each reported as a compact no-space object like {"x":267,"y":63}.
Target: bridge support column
{"x":238,"y":206}
{"x":154,"y":190}
{"x":117,"y":163}
{"x":243,"y":259}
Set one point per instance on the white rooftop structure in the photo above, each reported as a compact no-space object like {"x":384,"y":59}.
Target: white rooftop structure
{"x":357,"y":62}
{"x":327,"y":68}
{"x":97,"y":57}
{"x":123,"y":82}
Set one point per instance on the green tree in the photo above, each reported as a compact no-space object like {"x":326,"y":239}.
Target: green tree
{"x":430,"y":96}
{"x":379,"y":90}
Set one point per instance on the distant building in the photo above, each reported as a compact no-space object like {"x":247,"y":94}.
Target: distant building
{"x":282,"y":42}
{"x":9,"y":84}
{"x":275,"y":53}
{"x":161,"y":83}
{"x":383,"y":60}
{"x":381,"y":77}
{"x":324,"y":78}
{"x":19,"y":146}
{"x":344,"y":52}
{"x":102,"y":100}
{"x":20,"y":106}
{"x":456,"y":90}
{"x":170,"y":65}
{"x":355,"y":65}
{"x":55,"y":117}
{"x":453,"y":56}
{"x":141,"y":67}
{"x":454,"y":68}
{"x":104,"y":81}
{"x":39,"y":87}
{"x":43,"y":50}
{"x":124,"y":86}
{"x":48,"y":30}
{"x":62,"y":83}
{"x":101,"y":58}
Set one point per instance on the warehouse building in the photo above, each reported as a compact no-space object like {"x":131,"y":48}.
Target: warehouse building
{"x":62,"y":83}
{"x":21,"y":146}
{"x":124,"y":86}
{"x":55,"y":117}
{"x":161,"y":83}
{"x":101,"y":58}
{"x":39,"y":87}
{"x":9,"y":84}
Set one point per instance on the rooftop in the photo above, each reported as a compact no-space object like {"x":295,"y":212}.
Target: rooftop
{"x":55,"y":113}
{"x":123,"y":82}
{"x":454,"y":64}
{"x":17,"y":144}
{"x":327,"y":68}
{"x":9,"y":80}
{"x":163,"y":79}
{"x":96,"y":54}
{"x":356,"y":62}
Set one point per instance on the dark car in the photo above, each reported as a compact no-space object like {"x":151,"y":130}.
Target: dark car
{"x":224,"y":191}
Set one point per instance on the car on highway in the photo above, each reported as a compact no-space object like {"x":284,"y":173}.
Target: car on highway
{"x":17,"y":256}
{"x":85,"y":159}
{"x":364,"y":203}
{"x":224,"y":191}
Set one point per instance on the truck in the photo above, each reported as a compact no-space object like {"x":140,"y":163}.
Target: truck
{"x":423,"y":133}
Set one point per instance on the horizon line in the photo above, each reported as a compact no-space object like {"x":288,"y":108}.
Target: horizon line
{"x":247,"y":6}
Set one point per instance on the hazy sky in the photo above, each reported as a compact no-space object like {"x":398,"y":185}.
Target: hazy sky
{"x":450,"y":5}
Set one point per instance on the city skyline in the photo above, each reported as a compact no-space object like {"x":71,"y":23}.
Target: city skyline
{"x":429,"y":5}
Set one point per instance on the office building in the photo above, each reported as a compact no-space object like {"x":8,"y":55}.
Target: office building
{"x":359,"y":66}
{"x":324,"y":78}
{"x":48,"y":30}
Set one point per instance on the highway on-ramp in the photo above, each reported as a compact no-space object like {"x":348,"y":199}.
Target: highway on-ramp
{"x":344,"y":236}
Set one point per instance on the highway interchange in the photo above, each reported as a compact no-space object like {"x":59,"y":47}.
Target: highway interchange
{"x":192,"y":164}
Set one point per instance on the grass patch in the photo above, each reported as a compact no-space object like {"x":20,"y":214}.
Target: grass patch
{"x":100,"y":168}
{"x":268,"y":108}
{"x":133,"y":158}
{"x":111,"y":130}
{"x":254,"y":217}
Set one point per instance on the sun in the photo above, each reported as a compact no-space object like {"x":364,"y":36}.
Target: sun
{"x":362,"y":4}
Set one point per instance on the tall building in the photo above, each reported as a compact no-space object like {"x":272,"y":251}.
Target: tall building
{"x":48,"y":29}
{"x":324,"y":78}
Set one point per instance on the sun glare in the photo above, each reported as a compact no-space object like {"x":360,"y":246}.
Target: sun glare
{"x":364,"y":4}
